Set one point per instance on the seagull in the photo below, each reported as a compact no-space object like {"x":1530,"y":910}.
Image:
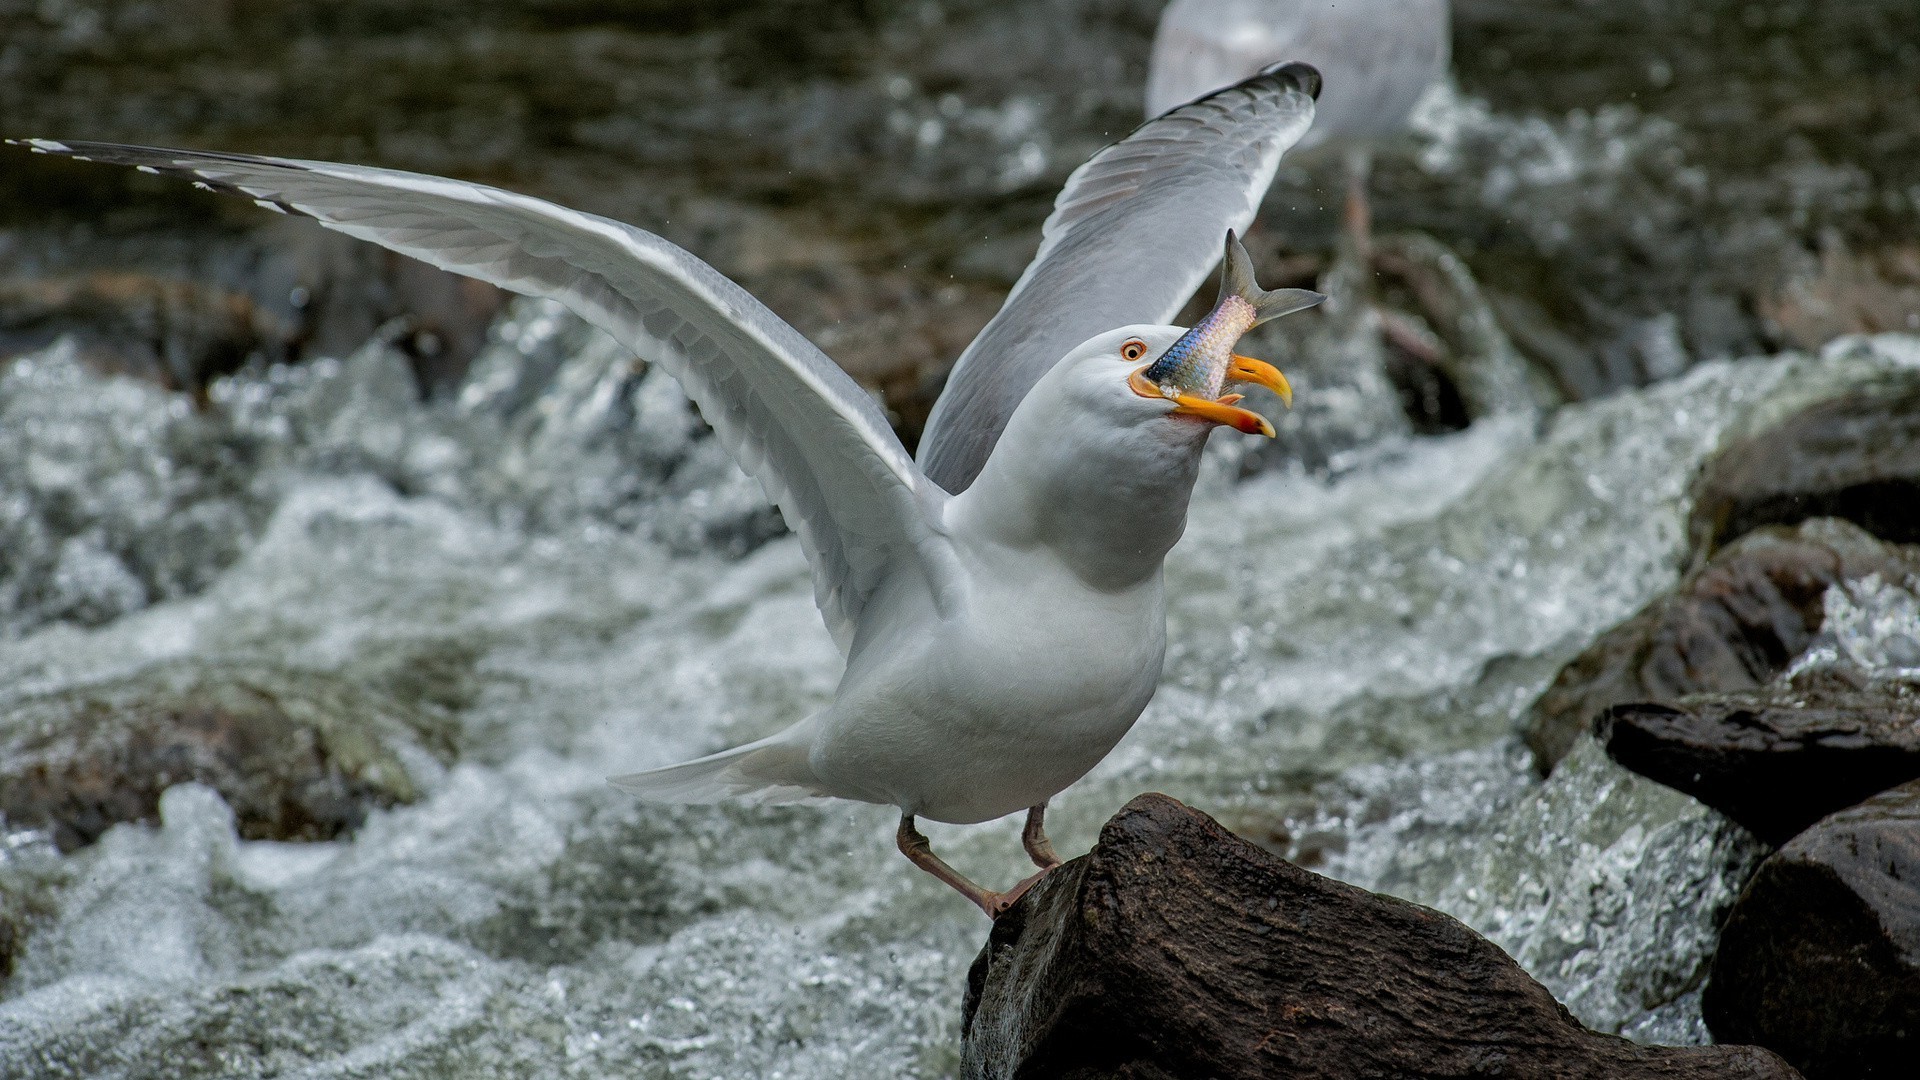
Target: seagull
{"x":1378,"y":57}
{"x":1000,"y":603}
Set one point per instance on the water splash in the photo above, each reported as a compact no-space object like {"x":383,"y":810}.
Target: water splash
{"x":1377,"y":630}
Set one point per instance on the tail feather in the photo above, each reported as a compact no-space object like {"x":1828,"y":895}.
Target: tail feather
{"x":1236,"y":279}
{"x":774,"y":769}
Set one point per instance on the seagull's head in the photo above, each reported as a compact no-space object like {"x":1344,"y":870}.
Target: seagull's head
{"x":1098,"y":462}
{"x":1133,"y":377}
{"x":1189,"y":375}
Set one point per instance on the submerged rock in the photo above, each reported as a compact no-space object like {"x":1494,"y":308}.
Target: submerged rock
{"x":1778,"y":759}
{"x":1856,"y":456}
{"x":298,"y":755}
{"x":1175,"y":949}
{"x":1735,"y":624}
{"x":1821,"y":957}
{"x":179,"y":334}
{"x":12,"y":932}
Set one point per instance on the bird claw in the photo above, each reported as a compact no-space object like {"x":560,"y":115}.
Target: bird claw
{"x":1034,"y":838}
{"x":997,"y":904}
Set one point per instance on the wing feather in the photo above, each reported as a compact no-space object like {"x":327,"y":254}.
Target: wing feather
{"x":1134,"y":232}
{"x":817,"y":443}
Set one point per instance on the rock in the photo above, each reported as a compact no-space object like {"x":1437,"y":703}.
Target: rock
{"x":180,"y":335}
{"x":1844,"y":292}
{"x":1820,"y":959}
{"x":1777,"y":759}
{"x":1479,"y":361}
{"x":1734,"y":624}
{"x":298,"y":755}
{"x":924,"y":143}
{"x":1175,"y":949}
{"x":1855,"y":457}
{"x":11,"y":934}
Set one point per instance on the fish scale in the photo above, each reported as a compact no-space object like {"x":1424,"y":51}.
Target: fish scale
{"x":1197,"y":363}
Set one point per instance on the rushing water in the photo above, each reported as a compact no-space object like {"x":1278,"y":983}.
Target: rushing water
{"x":564,"y":568}
{"x":553,"y":575}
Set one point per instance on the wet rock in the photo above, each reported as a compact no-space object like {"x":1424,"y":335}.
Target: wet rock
{"x":1847,"y":292}
{"x":1479,"y":361}
{"x":1855,"y":457}
{"x":1649,"y":208}
{"x":1607,"y":887}
{"x":179,"y":334}
{"x":1176,"y":949}
{"x":1718,"y":123}
{"x":1734,"y":624}
{"x":181,"y":310}
{"x":1776,"y":759}
{"x":298,"y":755}
{"x":12,"y":932}
{"x":1820,"y":959}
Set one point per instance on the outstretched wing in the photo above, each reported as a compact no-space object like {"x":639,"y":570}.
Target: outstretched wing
{"x":1134,"y":232}
{"x":817,"y":443}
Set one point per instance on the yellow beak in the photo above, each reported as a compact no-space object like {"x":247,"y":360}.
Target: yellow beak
{"x":1248,"y":370}
{"x":1223,"y":411}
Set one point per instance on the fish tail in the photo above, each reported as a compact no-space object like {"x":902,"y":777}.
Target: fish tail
{"x":1236,"y":279}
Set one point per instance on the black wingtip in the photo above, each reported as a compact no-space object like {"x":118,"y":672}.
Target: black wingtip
{"x":1305,"y":76}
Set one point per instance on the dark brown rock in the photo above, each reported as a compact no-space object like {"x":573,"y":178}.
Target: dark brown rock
{"x":1778,"y":759}
{"x":1176,"y":949}
{"x":1855,"y":457}
{"x":10,"y":935}
{"x":1820,"y":959}
{"x":178,"y":334}
{"x":1734,"y":624}
{"x":184,"y":334}
{"x":297,"y":755}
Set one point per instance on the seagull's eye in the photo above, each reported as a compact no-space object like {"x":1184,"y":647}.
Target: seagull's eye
{"x":1133,"y":350}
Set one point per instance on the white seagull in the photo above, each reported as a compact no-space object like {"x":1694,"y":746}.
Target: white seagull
{"x":1378,"y":57}
{"x":1000,"y":604}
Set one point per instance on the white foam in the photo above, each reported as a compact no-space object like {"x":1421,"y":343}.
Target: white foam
{"x":523,"y":918}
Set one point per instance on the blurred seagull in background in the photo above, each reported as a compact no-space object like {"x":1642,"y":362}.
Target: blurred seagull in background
{"x":1377,"y":56}
{"x":1000,"y":603}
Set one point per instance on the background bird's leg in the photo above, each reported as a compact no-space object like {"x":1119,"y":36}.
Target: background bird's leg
{"x":1358,"y":219}
{"x":1034,"y":837}
{"x":916,"y":848}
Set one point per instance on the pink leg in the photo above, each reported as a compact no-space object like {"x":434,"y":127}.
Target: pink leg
{"x":1358,"y":218}
{"x":1034,"y":839}
{"x":916,"y":848}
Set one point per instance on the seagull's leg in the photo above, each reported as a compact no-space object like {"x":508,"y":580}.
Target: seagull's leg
{"x":1358,"y":218}
{"x":1034,"y":838}
{"x":916,"y":848}
{"x":1357,"y":223}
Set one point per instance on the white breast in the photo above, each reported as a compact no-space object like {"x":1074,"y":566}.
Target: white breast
{"x":996,"y":709}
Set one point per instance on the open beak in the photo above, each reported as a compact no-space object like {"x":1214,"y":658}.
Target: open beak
{"x":1260,"y":373}
{"x":1222,"y":411}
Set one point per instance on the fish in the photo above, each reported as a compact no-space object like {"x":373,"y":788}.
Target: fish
{"x":1202,"y":362}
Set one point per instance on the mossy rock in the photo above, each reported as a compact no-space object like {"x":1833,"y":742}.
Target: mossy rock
{"x":297,"y":754}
